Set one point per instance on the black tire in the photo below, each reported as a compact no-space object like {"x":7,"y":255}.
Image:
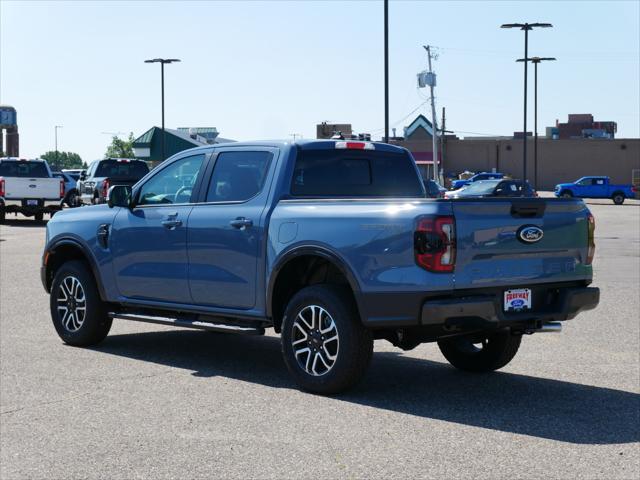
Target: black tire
{"x":2,"y":215}
{"x":351,"y":350}
{"x":497,"y":350}
{"x":566,"y":194}
{"x":71,"y":200}
{"x":89,"y":329}
{"x":38,"y":217}
{"x":618,"y":198}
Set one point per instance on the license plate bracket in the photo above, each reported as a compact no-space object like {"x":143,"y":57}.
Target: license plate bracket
{"x":517,"y":300}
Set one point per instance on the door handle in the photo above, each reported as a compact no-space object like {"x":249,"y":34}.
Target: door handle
{"x":241,"y":223}
{"x":171,"y":224}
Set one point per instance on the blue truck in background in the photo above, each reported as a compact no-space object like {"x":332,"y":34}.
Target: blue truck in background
{"x":332,"y":244}
{"x":595,"y":187}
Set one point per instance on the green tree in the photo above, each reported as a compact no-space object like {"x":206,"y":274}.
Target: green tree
{"x":120,"y":148}
{"x":60,"y":160}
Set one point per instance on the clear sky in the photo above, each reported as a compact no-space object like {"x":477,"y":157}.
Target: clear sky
{"x":268,"y":69}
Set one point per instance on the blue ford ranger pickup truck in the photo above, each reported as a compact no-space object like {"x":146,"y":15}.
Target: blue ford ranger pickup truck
{"x":331,"y":243}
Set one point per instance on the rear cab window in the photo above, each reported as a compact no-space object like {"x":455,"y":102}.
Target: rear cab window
{"x":23,"y":169}
{"x":119,"y":169}
{"x":355,"y":173}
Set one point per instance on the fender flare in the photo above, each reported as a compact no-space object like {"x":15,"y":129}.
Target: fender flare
{"x":316,"y":250}
{"x":86,"y":253}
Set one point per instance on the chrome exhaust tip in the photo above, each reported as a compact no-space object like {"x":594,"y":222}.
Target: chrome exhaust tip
{"x":551,"y":327}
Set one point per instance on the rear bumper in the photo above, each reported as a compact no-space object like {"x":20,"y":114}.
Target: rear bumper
{"x":21,"y":204}
{"x":487,"y":310}
{"x":482,"y":307}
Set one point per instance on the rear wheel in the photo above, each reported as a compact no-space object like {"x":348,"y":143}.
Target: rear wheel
{"x":38,"y":217}
{"x":566,"y":194}
{"x":480,"y":352}
{"x":2,"y":215}
{"x":618,"y":198}
{"x":79,"y":315}
{"x":71,"y":200}
{"x":325,"y":347}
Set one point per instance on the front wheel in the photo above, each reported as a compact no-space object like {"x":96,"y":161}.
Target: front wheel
{"x":618,"y":198}
{"x":79,"y":315}
{"x":325,"y":347}
{"x":38,"y":217}
{"x":480,"y":352}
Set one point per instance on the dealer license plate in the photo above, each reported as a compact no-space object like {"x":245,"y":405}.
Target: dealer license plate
{"x":32,"y":202}
{"x":517,"y":300}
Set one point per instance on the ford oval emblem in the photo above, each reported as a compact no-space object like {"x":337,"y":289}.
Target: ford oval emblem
{"x":530,"y":234}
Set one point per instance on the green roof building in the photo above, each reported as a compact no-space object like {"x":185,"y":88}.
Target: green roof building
{"x":148,"y":146}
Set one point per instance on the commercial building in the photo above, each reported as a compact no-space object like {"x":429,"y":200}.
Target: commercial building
{"x":582,"y":125}
{"x":148,"y":146}
{"x":328,"y":130}
{"x":559,"y":159}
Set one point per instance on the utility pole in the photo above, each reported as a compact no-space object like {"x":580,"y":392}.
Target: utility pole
{"x":526,"y":27}
{"x":443,"y":132}
{"x":386,"y":71}
{"x":434,"y":126}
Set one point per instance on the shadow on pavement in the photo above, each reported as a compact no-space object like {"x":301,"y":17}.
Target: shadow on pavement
{"x":507,"y":402}
{"x":27,"y":222}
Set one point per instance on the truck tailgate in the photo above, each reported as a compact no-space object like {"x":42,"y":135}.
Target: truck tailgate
{"x":34,"y":188}
{"x":491,"y":250}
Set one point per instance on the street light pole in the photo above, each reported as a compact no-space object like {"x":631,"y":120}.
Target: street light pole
{"x":535,"y":61}
{"x":162,"y":61}
{"x":526,"y":27}
{"x":386,"y":71}
{"x":55,"y":128}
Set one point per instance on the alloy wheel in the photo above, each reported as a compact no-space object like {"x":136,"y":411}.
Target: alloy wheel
{"x":315,"y":340}
{"x":71,"y":303}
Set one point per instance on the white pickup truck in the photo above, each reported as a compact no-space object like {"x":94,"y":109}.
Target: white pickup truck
{"x":29,"y":188}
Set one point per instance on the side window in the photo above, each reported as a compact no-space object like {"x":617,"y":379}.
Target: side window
{"x":598,"y":181}
{"x":173,"y":184}
{"x":585,"y":182}
{"x":238,"y":176}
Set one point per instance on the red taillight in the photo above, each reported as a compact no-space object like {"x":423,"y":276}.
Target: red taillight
{"x":591,"y":228}
{"x":2,"y":187}
{"x":634,"y":189}
{"x":355,"y":145}
{"x":105,"y":187}
{"x":61,"y":188}
{"x":434,"y":243}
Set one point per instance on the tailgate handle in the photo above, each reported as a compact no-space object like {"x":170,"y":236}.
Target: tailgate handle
{"x":527,"y":209}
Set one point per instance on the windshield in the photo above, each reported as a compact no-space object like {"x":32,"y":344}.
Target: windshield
{"x":133,"y":170}
{"x":23,"y":169}
{"x":481,"y":187}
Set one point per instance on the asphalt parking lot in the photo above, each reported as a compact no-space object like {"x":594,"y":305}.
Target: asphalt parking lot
{"x":155,"y":402}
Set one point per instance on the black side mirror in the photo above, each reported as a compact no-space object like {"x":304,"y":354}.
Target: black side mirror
{"x":83,"y":176}
{"x":119,"y":196}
